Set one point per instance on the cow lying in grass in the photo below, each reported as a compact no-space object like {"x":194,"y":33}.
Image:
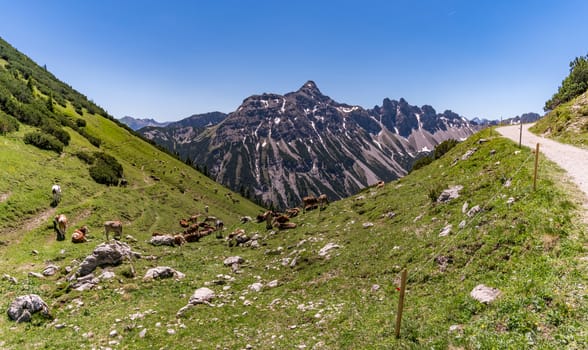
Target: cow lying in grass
{"x":60,"y":225}
{"x":79,"y":235}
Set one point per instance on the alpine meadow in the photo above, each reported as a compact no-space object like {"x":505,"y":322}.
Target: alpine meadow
{"x":198,"y":266}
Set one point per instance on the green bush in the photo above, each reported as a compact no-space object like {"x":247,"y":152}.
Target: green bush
{"x":7,"y":124}
{"x":421,"y":162}
{"x":444,"y":147}
{"x":106,"y":169}
{"x":81,"y":123}
{"x":43,"y":141}
{"x":86,"y":157}
{"x":58,"y":132}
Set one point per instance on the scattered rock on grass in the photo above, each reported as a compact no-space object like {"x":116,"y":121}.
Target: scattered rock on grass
{"x":449,"y":194}
{"x":23,"y":307}
{"x":446,"y":231}
{"x":160,"y":272}
{"x":327,"y":248}
{"x":484,"y":294}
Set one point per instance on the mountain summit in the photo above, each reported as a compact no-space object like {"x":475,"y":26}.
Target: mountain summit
{"x":280,"y":148}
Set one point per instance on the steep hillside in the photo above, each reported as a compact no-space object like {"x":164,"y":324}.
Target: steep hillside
{"x":280,"y":148}
{"x":292,"y":292}
{"x":568,"y":122}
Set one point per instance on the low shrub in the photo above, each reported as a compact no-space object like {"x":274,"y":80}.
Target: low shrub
{"x":7,"y":124}
{"x":106,"y":169}
{"x":43,"y":141}
{"x":86,"y":157}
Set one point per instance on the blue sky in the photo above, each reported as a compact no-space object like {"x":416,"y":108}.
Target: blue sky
{"x":170,"y":59}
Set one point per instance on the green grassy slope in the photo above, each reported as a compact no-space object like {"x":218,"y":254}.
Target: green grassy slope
{"x":533,"y":250}
{"x":567,"y":123}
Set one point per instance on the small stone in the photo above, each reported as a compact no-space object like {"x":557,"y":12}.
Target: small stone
{"x":475,"y":210}
{"x":485,"y":294}
{"x":462,"y":224}
{"x":171,"y":331}
{"x":35,"y":274}
{"x":142,"y":333}
{"x":60,"y":326}
{"x":327,"y":248}
{"x":446,"y":231}
{"x":113,"y":333}
{"x":256,"y":287}
{"x":272,"y":284}
{"x":232,"y":260}
{"x":375,"y":287}
{"x":510,"y":201}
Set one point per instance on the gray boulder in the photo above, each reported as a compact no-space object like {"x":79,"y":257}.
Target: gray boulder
{"x":449,"y":194}
{"x":160,"y":272}
{"x":111,"y":253}
{"x":201,"y":296}
{"x":484,"y":294}
{"x":23,"y":307}
{"x":162,"y":240}
{"x":232,"y":260}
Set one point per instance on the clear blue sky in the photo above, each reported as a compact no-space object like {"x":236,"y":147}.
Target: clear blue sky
{"x":170,"y":59}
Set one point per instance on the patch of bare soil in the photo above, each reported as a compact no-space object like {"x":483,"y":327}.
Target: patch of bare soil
{"x":4,"y":196}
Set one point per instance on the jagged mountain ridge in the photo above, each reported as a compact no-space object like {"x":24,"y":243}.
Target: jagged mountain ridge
{"x":138,"y":123}
{"x":280,"y":148}
{"x":182,"y":131}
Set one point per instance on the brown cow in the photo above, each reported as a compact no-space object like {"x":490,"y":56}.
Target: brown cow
{"x":323,"y":201}
{"x":60,"y":225}
{"x":309,"y":203}
{"x":79,"y":235}
{"x":115,"y":227}
{"x":184,"y":223}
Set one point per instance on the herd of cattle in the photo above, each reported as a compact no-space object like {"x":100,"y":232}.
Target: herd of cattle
{"x":193,"y":230}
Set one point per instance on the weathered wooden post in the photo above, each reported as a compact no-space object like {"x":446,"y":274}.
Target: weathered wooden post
{"x":400,"y":302}
{"x":536,"y":164}
{"x":521,"y":134}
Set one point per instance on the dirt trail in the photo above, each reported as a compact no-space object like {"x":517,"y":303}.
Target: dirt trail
{"x":572,"y":159}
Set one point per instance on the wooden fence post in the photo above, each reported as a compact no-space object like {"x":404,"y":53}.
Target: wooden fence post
{"x":521,"y":135}
{"x":536,"y":164}
{"x":400,"y":302}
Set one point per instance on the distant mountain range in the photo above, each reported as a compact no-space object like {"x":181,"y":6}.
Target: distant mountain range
{"x":280,"y":148}
{"x":136,"y":124}
{"x":525,"y":118}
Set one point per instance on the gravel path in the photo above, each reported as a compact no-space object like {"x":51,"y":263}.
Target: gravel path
{"x":572,"y":159}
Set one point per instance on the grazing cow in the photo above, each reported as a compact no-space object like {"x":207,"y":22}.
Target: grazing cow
{"x":79,"y":235}
{"x":323,"y":201}
{"x":60,"y":225}
{"x":292,"y":212}
{"x":56,"y":192}
{"x":184,"y":223}
{"x":309,"y":203}
{"x":115,"y":227}
{"x":179,"y":240}
{"x":219,"y":226}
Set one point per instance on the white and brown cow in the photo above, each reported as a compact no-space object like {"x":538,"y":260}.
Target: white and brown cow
{"x":56,"y":193}
{"x":79,"y":235}
{"x":115,"y":227}
{"x":60,"y":225}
